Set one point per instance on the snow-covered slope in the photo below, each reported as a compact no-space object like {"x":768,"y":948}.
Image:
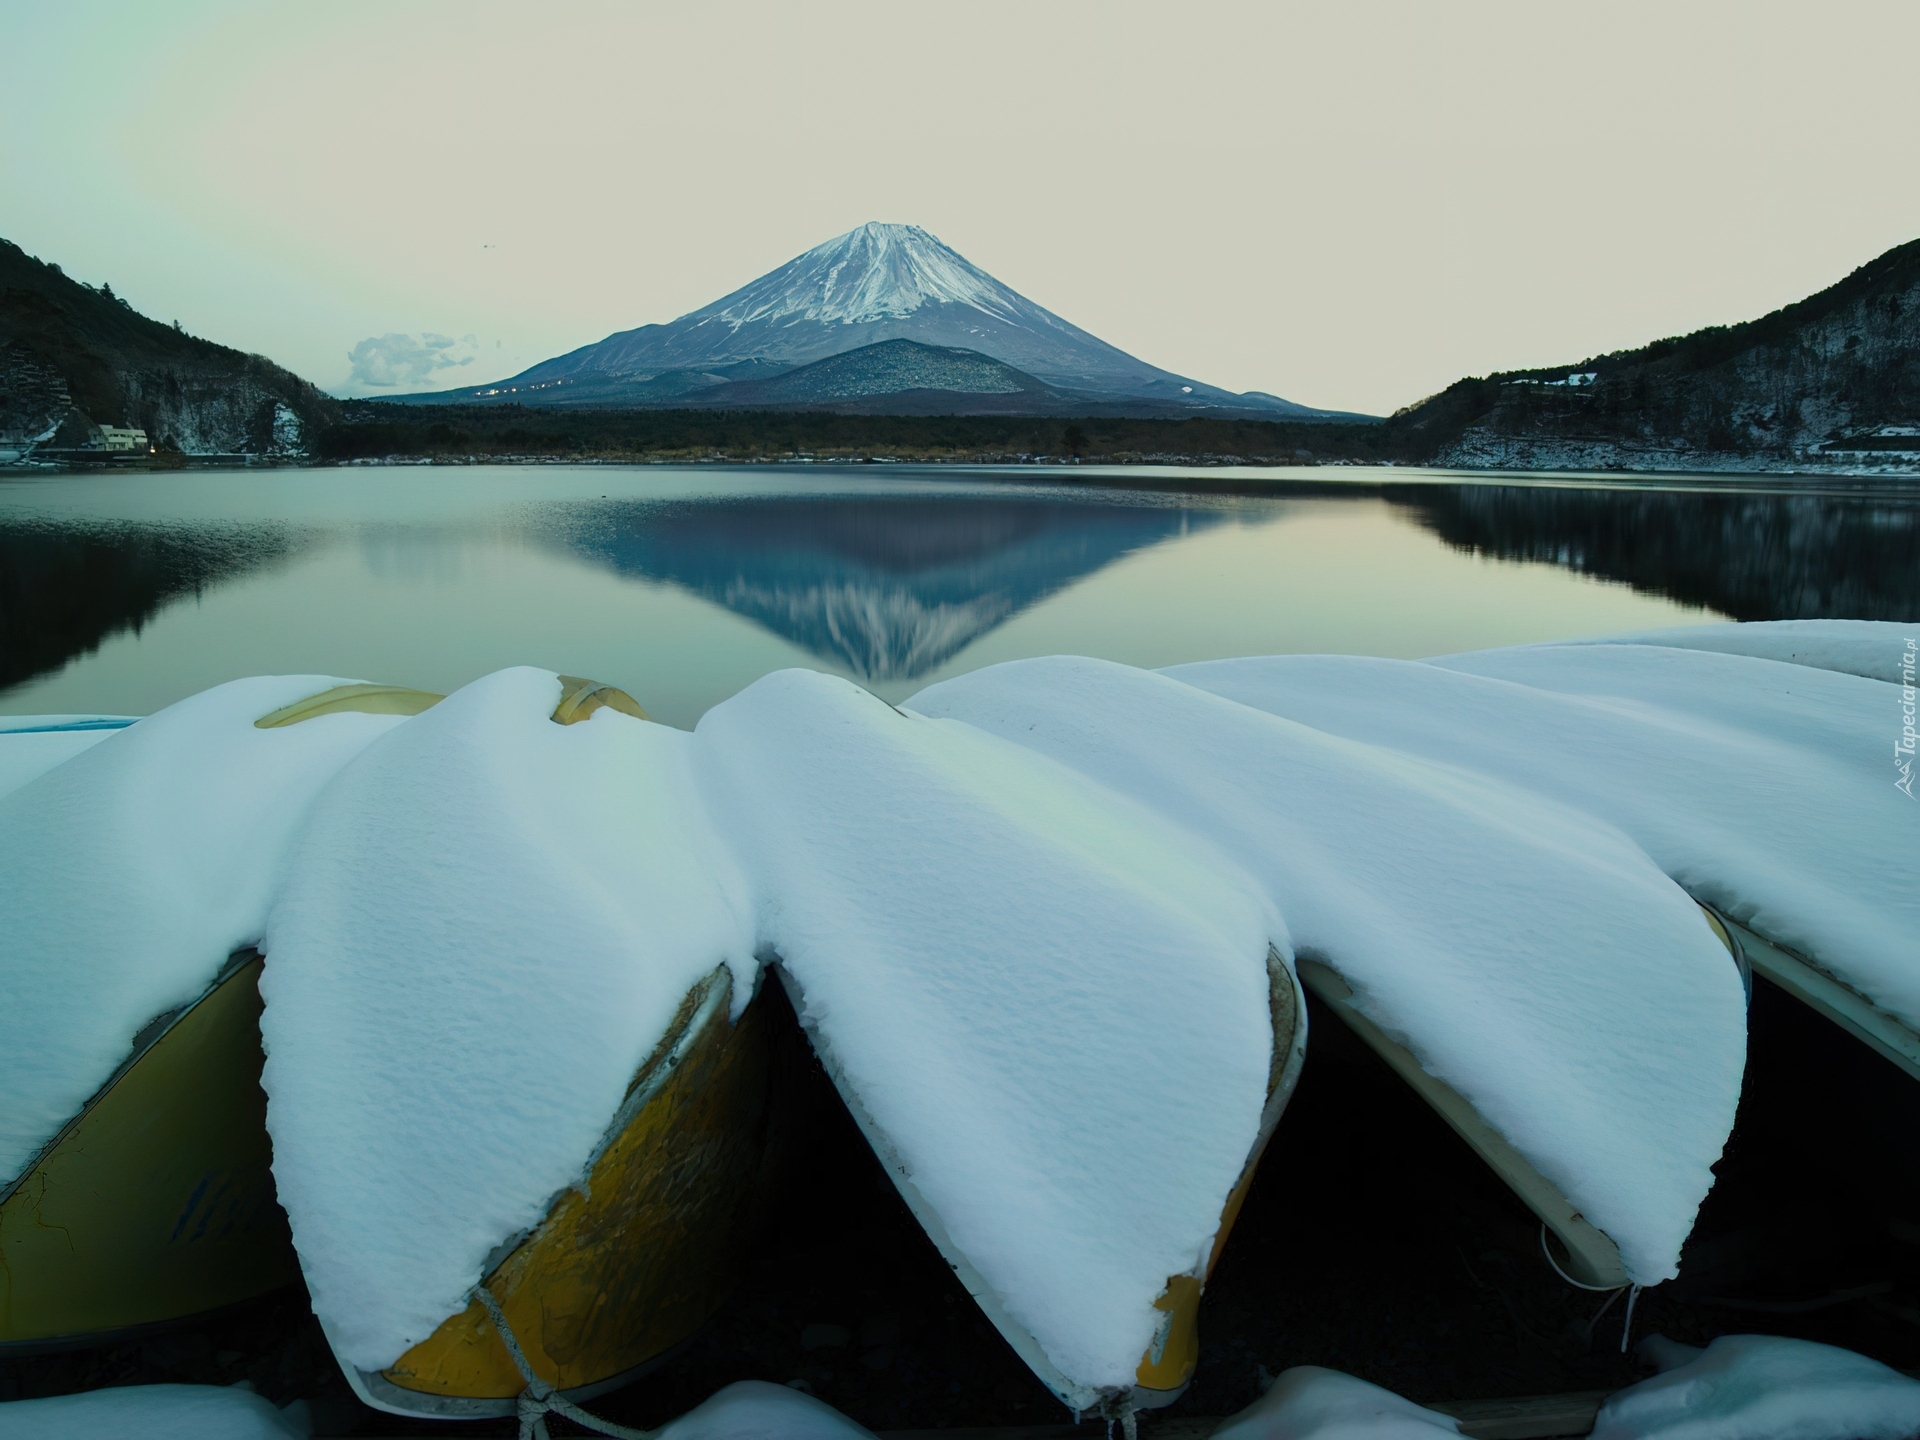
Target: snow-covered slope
{"x":880,"y":282}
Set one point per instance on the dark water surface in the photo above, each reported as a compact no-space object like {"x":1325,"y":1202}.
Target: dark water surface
{"x":125,"y":593}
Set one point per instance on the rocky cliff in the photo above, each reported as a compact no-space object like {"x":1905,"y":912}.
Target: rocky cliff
{"x":73,"y":358}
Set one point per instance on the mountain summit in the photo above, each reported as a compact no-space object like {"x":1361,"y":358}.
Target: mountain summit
{"x":876,"y":283}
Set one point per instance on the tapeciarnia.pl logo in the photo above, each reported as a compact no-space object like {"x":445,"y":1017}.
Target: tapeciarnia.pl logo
{"x":1903,"y":747}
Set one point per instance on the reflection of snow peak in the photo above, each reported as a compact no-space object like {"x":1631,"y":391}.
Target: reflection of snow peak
{"x":890,"y":587}
{"x":879,"y":633}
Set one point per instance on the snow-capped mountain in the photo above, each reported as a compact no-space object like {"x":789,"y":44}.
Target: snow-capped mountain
{"x":879,"y":282}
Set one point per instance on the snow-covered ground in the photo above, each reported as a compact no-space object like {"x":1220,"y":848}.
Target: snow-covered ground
{"x":1761,"y":1387}
{"x":756,"y":1410}
{"x":155,"y":1412}
{"x":1741,"y":1387}
{"x":1310,"y":1402}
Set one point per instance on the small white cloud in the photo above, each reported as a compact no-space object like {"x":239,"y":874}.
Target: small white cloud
{"x":384,"y":362}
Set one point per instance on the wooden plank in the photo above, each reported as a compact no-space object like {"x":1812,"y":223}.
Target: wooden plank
{"x":1526,"y":1417}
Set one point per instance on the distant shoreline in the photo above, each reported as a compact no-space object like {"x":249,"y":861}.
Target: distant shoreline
{"x":1091,"y":469}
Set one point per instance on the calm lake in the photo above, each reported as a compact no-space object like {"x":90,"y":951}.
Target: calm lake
{"x":123,"y":593}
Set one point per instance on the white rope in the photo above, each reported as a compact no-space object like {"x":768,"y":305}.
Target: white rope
{"x":1578,"y":1285}
{"x":1600,"y":1314}
{"x":1626,"y":1327}
{"x":539,"y":1398}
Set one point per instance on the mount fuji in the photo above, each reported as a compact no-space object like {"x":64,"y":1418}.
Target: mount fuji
{"x":873,"y":285}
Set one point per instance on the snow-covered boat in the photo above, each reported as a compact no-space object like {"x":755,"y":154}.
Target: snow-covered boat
{"x":1591,"y":1256}
{"x":1167,"y":1367}
{"x":1170,"y":1362}
{"x":153,"y":1201}
{"x":626,"y":1266}
{"x":502,"y":1052}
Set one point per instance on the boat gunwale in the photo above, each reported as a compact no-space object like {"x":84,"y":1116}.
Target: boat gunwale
{"x":1826,"y":994}
{"x":1589,"y":1261}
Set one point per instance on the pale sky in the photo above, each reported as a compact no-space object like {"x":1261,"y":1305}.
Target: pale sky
{"x":1349,"y":205}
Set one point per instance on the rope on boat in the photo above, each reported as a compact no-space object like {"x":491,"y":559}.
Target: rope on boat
{"x":540,"y":1399}
{"x":1577,"y":1284}
{"x":1613,"y":1293}
{"x":1626,"y":1329}
{"x":1600,"y":1314}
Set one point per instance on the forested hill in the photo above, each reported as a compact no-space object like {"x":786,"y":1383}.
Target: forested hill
{"x":72,"y":357}
{"x":1834,"y":367}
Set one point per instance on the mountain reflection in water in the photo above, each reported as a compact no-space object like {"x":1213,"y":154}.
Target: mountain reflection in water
{"x":890,"y":587}
{"x":414,"y":575}
{"x":64,"y":589}
{"x":1753,"y":557}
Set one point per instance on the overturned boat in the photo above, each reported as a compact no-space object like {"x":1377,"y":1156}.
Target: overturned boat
{"x":544,"y":901}
{"x":1064,"y":1029}
{"x":1744,"y":758}
{"x":153,"y":1201}
{"x":1589,"y":1257}
{"x":631,"y":1262}
{"x":1167,"y":1367}
{"x":1525,"y":969}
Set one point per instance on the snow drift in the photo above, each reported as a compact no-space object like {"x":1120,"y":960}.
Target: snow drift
{"x":1761,"y":1387}
{"x":1309,"y":1402}
{"x":155,"y":1412}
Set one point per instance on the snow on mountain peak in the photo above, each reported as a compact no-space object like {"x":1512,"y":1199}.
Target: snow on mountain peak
{"x":875,"y":283}
{"x":877,"y":272}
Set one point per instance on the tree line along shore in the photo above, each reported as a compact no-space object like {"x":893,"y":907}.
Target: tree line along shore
{"x":370,"y":431}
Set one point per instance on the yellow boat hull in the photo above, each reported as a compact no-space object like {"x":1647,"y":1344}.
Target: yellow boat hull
{"x":634,"y":1261}
{"x":1167,"y":1368}
{"x":156,"y":1203}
